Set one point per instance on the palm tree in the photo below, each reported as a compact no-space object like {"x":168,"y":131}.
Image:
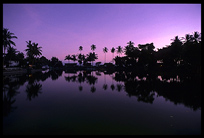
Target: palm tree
{"x":80,"y":56}
{"x":80,"y":48}
{"x":196,"y":37}
{"x":93,"y":47}
{"x":130,"y":43}
{"x":105,"y":50}
{"x":112,"y":51}
{"x":92,"y":57}
{"x":68,"y":57}
{"x":37,"y":50}
{"x":33,"y":51}
{"x":119,"y":50}
{"x":11,"y":54}
{"x":187,"y":38}
{"x":7,"y":36}
{"x":74,"y":58}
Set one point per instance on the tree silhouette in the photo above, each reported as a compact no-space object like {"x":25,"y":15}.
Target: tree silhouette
{"x":81,"y":58}
{"x":130,"y":43}
{"x":68,"y":57}
{"x":11,"y":54}
{"x":119,"y":50}
{"x":55,"y":62}
{"x":92,"y":57}
{"x":93,"y":47}
{"x":20,"y":59}
{"x":7,"y":36}
{"x":73,"y":57}
{"x":112,"y":51}
{"x":191,"y":55}
{"x":80,"y":55}
{"x":105,"y":50}
{"x":80,"y":48}
{"x":196,"y":37}
{"x":147,"y":58}
{"x":33,"y":51}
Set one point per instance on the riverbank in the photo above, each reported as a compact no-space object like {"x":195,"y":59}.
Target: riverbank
{"x":18,"y":71}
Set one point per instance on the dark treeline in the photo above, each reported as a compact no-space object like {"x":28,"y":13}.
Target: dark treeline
{"x":178,"y":65}
{"x":182,"y":55}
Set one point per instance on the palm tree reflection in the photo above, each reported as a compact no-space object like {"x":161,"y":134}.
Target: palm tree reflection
{"x":8,"y":99}
{"x":112,"y":87}
{"x":33,"y":90}
{"x":119,"y":87}
{"x":174,"y":87}
{"x":93,"y":89}
{"x":105,"y":86}
{"x":80,"y":88}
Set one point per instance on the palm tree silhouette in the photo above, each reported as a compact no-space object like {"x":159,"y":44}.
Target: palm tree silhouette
{"x":80,"y":48}
{"x":112,"y":51}
{"x":187,"y":38}
{"x":33,"y":51}
{"x":196,"y":37}
{"x":74,"y":58}
{"x":68,"y":57}
{"x":11,"y":54}
{"x":7,"y":36}
{"x":105,"y":50}
{"x":119,"y":50}
{"x":93,"y":47}
{"x":130,"y":43}
{"x":92,"y":57}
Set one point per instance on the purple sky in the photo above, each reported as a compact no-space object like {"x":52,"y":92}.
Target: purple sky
{"x":61,"y":28}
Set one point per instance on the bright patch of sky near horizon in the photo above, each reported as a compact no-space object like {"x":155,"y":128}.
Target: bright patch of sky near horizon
{"x":61,"y":28}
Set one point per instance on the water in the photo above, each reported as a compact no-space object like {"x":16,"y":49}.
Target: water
{"x":60,"y":102}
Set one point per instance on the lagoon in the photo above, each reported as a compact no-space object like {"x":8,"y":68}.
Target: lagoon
{"x":98,"y":103}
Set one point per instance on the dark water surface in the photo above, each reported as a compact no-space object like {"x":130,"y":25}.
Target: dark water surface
{"x":82,"y":102}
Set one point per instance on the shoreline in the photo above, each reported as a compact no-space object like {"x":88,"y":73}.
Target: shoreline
{"x":19,"y":72}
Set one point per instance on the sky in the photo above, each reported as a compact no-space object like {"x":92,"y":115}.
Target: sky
{"x":61,"y":28}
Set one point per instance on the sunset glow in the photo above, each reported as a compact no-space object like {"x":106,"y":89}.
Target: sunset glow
{"x":61,"y":28}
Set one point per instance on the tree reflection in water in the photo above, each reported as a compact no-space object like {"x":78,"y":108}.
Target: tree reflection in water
{"x":33,"y":90}
{"x":178,"y":88}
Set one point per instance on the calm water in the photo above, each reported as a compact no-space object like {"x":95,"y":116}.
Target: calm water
{"x":60,"y":102}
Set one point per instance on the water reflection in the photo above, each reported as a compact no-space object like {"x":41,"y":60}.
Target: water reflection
{"x":33,"y":90}
{"x":177,"y":88}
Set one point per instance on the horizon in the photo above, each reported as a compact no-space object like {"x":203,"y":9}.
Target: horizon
{"x":61,"y":28}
